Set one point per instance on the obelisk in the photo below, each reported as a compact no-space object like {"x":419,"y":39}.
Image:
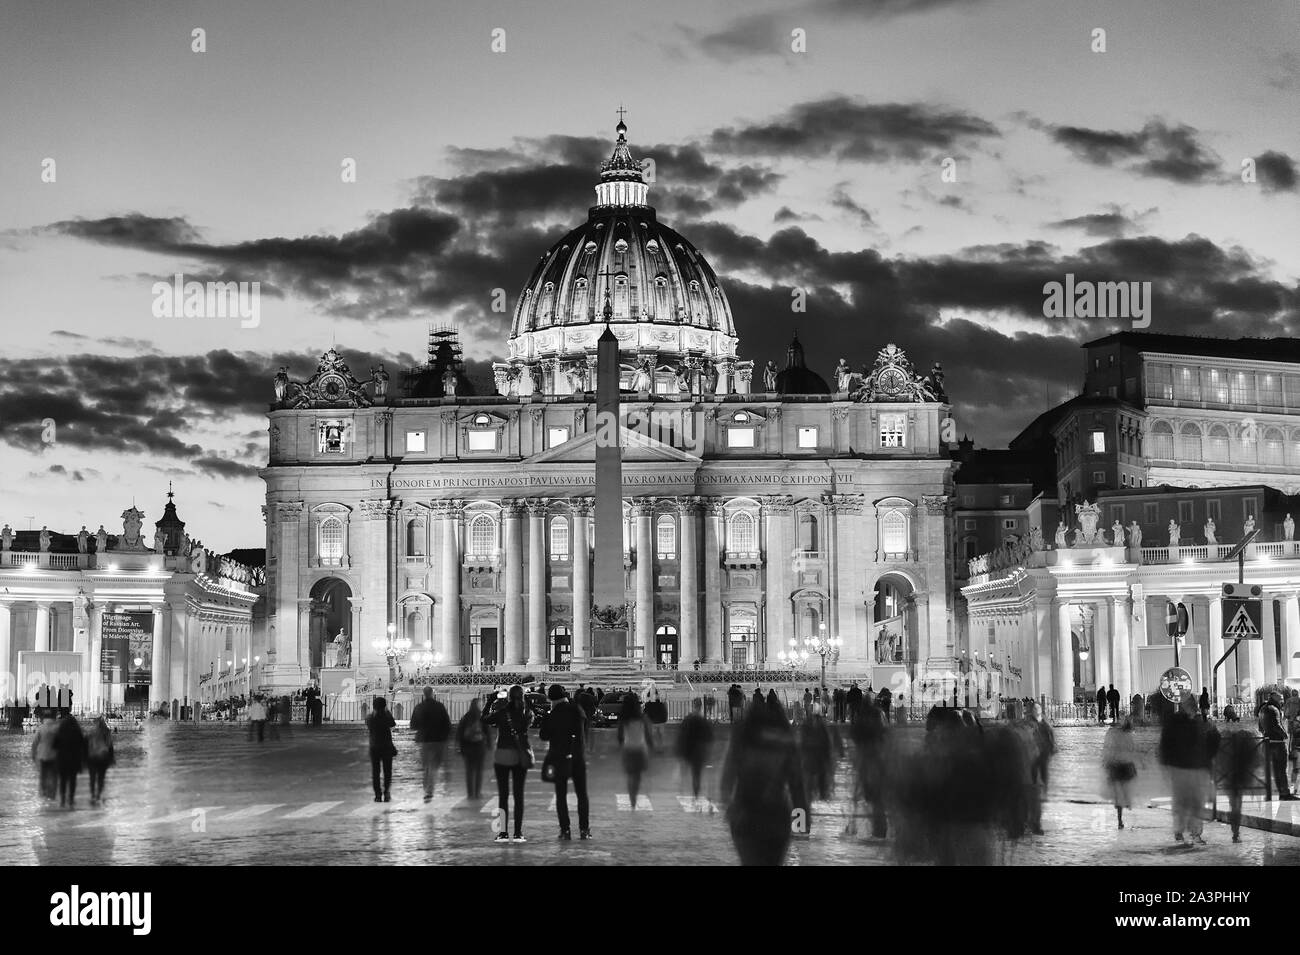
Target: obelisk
{"x":609,"y":596}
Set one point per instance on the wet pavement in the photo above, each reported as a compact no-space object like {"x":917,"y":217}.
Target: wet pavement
{"x":203,"y":795}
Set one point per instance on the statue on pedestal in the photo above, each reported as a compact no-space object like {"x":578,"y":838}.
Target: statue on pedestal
{"x":1288,"y":528}
{"x":449,"y":383}
{"x":1060,"y":535}
{"x":1036,"y":538}
{"x":45,"y":539}
{"x":132,"y":518}
{"x":101,"y":540}
{"x":769,"y":377}
{"x":843,"y":376}
{"x":1209,"y":531}
{"x":6,"y":537}
{"x":1117,"y":533}
{"x":1088,"y":515}
{"x":643,"y":377}
{"x":1134,"y":534}
{"x":380,"y":379}
{"x":1175,"y":532}
{"x":160,"y":541}
{"x":83,"y":540}
{"x":281,"y":382}
{"x":1248,"y":527}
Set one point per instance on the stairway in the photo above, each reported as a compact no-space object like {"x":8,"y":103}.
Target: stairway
{"x":610,"y":672}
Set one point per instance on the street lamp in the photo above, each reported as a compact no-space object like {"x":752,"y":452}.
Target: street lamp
{"x":794,"y":658}
{"x":828,"y":648}
{"x":394,"y":649}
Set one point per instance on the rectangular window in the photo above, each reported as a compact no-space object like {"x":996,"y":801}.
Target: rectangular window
{"x":1123,"y":480}
{"x":1243,"y":388}
{"x":1150,"y":513}
{"x":968,"y":524}
{"x":1010,"y":524}
{"x":1117,"y":513}
{"x":807,"y":437}
{"x":1007,"y":500}
{"x":415,"y":442}
{"x":331,"y":437}
{"x":482,"y":440}
{"x":1098,"y":477}
{"x":1099,"y":442}
{"x":893,"y":431}
{"x":556,"y":436}
{"x":968,"y":500}
{"x":1187,"y":384}
{"x":972,"y":549}
{"x":1212,"y":510}
{"x":1249,"y":508}
{"x":740,"y":437}
{"x":1270,"y":390}
{"x":1160,"y":381}
{"x":1185,"y":512}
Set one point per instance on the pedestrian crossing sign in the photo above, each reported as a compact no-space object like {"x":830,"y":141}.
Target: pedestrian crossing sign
{"x":1242,"y":619}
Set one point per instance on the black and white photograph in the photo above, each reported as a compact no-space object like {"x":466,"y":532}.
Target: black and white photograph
{"x":833,"y":433}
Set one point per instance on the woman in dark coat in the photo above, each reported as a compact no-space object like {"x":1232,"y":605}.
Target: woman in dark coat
{"x":514,"y":756}
{"x":634,"y":736}
{"x":379,"y":726}
{"x":762,"y":785}
{"x":69,"y":754}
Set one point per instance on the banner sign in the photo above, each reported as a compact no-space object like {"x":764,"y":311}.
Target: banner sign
{"x":125,"y":638}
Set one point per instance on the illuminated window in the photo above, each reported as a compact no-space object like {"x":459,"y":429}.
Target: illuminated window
{"x":1189,"y":443}
{"x":666,"y":537}
{"x":1162,"y":441}
{"x":1216,"y":444}
{"x":1243,"y":388}
{"x":893,"y":533}
{"x":893,"y":430}
{"x":1099,"y":442}
{"x":1271,"y":449}
{"x":482,"y":536}
{"x":742,"y":534}
{"x":331,"y":541}
{"x":560,"y":538}
{"x":1187,"y":384}
{"x":415,"y":442}
{"x":331,"y":437}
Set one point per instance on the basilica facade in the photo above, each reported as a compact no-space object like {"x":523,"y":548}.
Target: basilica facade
{"x":760,"y":505}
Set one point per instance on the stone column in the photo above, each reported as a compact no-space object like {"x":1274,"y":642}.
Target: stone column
{"x":689,"y":528}
{"x":1121,"y":664}
{"x":303,"y":643}
{"x":1216,"y":648}
{"x":581,"y":580}
{"x":1063,"y":662}
{"x":1101,"y":645}
{"x":537,"y":583}
{"x":713,"y":648}
{"x":176,"y":651}
{"x":778,"y":511}
{"x":1042,"y":648}
{"x":8,"y":668}
{"x":160,"y":671}
{"x":42,"y":635}
{"x":450,"y":583}
{"x":1271,"y":669}
{"x":513,"y":638}
{"x":643,"y":514}
{"x":1290,"y":632}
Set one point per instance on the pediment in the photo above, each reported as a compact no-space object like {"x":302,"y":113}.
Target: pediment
{"x":636,"y":448}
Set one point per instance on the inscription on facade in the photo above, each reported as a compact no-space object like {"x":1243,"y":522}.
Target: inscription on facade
{"x":564,"y":480}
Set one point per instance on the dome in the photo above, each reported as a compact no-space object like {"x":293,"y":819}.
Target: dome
{"x":625,"y":268}
{"x":797,"y":378}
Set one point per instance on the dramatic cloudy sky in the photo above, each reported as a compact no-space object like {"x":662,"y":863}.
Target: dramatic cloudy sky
{"x":819,"y":170}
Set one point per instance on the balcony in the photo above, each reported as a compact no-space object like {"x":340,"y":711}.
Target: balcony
{"x":45,"y":560}
{"x":739,"y":559}
{"x":489,"y":561}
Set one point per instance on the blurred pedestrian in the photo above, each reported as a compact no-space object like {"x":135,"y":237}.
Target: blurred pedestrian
{"x":586,"y":701}
{"x":1205,"y":702}
{"x":1041,"y":750}
{"x":99,"y":756}
{"x":758,"y":697}
{"x":565,"y":728}
{"x":884,"y":700}
{"x":694,"y":739}
{"x":1112,"y":700}
{"x":1182,"y":748}
{"x":513,"y":757}
{"x":816,"y":757}
{"x":837,"y":697}
{"x":762,"y":786}
{"x":807,"y":702}
{"x":1238,"y":753}
{"x":852,"y":700}
{"x":69,"y":754}
{"x":256,"y":718}
{"x":1119,"y":757}
{"x":736,"y":702}
{"x":472,"y":742}
{"x":1273,"y":729}
{"x":868,"y":733}
{"x":43,"y":753}
{"x":432,"y":726}
{"x":1101,"y":704}
{"x":379,"y":728}
{"x":635,"y":738}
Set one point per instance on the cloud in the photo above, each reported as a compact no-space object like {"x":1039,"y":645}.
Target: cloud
{"x":768,"y":33}
{"x":1276,"y":172}
{"x":1157,"y":150}
{"x":842,"y":128}
{"x":840,"y":199}
{"x":1110,"y":223}
{"x":224,"y":467}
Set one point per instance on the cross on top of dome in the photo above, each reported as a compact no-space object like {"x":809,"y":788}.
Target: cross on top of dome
{"x":620,"y":166}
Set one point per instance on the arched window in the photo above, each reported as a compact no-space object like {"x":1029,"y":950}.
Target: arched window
{"x":482,"y":536}
{"x":1189,"y":443}
{"x":666,"y":537}
{"x":808,"y":532}
{"x":1293,"y":448}
{"x":579,"y":310}
{"x":666,"y":647}
{"x":1216,"y":444}
{"x":415,"y":629}
{"x":331,"y":541}
{"x":547,"y":304}
{"x":893,"y":533}
{"x":742,"y":536}
{"x":1271,"y":450}
{"x":415,"y":538}
{"x":1162,"y":441}
{"x":560,"y":538}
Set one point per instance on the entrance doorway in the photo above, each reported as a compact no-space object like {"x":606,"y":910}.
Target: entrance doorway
{"x":331,"y":614}
{"x":484,"y":644}
{"x":666,"y":647}
{"x":560,"y":652}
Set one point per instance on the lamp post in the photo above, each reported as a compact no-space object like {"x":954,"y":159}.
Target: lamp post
{"x":394,"y":650}
{"x":828,"y":648}
{"x":427,"y":657}
{"x":794,"y":658}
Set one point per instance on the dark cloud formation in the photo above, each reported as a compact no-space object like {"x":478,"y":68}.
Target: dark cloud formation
{"x":760,"y":34}
{"x":1157,"y":150}
{"x":1276,"y":172}
{"x":1096,"y":223}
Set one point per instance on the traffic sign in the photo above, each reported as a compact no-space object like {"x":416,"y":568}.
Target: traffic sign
{"x":1176,"y":685}
{"x":1242,"y":591}
{"x":1176,"y":620}
{"x":1243,"y":619}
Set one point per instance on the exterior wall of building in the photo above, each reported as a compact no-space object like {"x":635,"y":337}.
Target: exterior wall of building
{"x":762,"y":540}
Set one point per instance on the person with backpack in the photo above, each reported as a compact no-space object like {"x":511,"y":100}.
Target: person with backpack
{"x":432,"y":726}
{"x":565,"y":727}
{"x":471,"y":740}
{"x":99,"y":756}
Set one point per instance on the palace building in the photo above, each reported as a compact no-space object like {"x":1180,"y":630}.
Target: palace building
{"x":760,"y":504}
